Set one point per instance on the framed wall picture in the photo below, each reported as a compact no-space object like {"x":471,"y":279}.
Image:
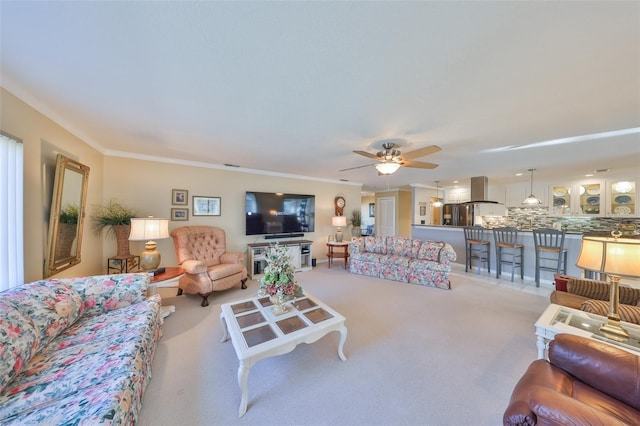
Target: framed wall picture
{"x":372,"y":209}
{"x":179,"y":214}
{"x":206,"y":206}
{"x":423,"y":210}
{"x":179,"y":197}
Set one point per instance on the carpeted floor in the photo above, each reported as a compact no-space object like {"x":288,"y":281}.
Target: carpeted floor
{"x":416,"y":356}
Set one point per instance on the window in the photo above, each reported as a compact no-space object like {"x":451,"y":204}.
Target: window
{"x":11,"y":212}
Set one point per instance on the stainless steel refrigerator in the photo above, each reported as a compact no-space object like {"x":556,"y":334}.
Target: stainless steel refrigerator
{"x":458,"y":214}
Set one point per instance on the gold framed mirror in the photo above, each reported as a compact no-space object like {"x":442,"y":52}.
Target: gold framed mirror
{"x":66,"y":219}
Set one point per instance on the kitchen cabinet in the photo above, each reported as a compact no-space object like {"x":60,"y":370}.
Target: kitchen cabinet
{"x":581,"y":199}
{"x":621,"y":199}
{"x":457,"y":195}
{"x":517,"y":192}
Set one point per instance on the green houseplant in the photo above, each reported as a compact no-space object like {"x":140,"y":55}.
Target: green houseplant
{"x":115,"y":219}
{"x":356,"y":221}
{"x":69,"y":214}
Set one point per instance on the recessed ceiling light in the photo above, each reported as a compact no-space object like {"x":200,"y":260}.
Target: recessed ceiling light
{"x":456,"y":181}
{"x":519,"y":174}
{"x":589,"y":174}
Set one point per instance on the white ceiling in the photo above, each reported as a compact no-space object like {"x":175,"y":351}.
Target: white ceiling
{"x":295,"y":87}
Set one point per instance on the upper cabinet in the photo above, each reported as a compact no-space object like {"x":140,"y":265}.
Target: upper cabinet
{"x":457,"y":195}
{"x":594,"y":199}
{"x":621,"y":199}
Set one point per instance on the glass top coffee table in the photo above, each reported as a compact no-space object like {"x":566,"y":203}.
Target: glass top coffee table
{"x":257,"y":333}
{"x":558,"y":319}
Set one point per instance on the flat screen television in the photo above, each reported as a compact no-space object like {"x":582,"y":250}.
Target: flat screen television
{"x":269,"y":213}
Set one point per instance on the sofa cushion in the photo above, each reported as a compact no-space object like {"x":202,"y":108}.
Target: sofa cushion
{"x":18,"y":342}
{"x":427,"y":250}
{"x":628,"y":313}
{"x":104,"y":293}
{"x":600,"y":290}
{"x":399,"y":246}
{"x":50,"y":305}
{"x":375,"y":245}
{"x":561,"y":281}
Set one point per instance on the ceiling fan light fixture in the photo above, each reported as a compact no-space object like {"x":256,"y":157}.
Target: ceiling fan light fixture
{"x":387,"y":168}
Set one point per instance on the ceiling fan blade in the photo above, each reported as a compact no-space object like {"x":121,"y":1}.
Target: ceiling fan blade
{"x":421,"y":152}
{"x":419,"y":165}
{"x":358,"y":167}
{"x":367,"y":154}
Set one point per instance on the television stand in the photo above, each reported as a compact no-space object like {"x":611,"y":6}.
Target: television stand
{"x":275,"y":236}
{"x":299,"y":250}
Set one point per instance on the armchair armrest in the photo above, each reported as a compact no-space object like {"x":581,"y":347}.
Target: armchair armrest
{"x":232,"y":257}
{"x":194,"y":267}
{"x":606,"y":368}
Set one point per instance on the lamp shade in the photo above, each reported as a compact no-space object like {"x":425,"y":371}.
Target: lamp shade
{"x":339,"y":221}
{"x":149,"y":228}
{"x":387,"y":168}
{"x":617,"y":256}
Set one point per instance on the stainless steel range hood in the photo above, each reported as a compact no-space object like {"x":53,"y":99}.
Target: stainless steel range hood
{"x":480,"y":190}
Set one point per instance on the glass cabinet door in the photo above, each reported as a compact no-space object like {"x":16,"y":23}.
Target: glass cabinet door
{"x":622,"y":201}
{"x":561,"y":200}
{"x":591,"y":198}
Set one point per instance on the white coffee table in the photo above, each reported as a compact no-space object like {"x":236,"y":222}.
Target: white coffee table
{"x":256,"y":333}
{"x":557,"y":319}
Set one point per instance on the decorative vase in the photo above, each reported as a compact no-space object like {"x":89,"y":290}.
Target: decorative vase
{"x":356,"y":231}
{"x":277,"y":308}
{"x":122,"y":239}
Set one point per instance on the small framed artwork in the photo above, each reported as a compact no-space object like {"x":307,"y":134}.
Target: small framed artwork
{"x":206,"y":206}
{"x":179,"y":214}
{"x":423,"y":210}
{"x":372,"y":209}
{"x":330,"y":239}
{"x":179,"y":197}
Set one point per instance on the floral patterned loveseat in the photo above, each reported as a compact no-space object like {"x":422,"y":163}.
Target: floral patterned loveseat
{"x":403,"y":259}
{"x":77,"y":350}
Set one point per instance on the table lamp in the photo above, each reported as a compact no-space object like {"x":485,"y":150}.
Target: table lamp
{"x":339,"y":222}
{"x":149,"y":229}
{"x":615,"y":257}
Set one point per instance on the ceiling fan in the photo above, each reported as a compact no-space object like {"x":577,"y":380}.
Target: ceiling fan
{"x":390,"y":159}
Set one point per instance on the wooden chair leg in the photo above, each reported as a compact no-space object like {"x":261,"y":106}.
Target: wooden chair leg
{"x":179,"y":292}
{"x":244,"y":283}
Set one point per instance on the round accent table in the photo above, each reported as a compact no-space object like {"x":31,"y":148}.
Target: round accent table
{"x":168,"y":278}
{"x":344,"y":254}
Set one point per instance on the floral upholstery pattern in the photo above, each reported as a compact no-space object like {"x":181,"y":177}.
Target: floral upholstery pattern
{"x":96,"y":369}
{"x":403,"y":259}
{"x":18,"y":342}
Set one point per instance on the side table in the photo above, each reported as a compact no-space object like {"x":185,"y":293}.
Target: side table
{"x":344,"y":254}
{"x":168,"y":278}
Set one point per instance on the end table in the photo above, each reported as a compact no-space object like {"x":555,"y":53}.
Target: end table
{"x":168,"y":278}
{"x":344,"y":254}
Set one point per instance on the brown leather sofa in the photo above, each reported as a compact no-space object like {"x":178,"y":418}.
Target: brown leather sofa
{"x":593,"y":296}
{"x":585,"y":382}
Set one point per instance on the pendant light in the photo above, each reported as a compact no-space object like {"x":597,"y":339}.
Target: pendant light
{"x":437,"y":203}
{"x":531,"y":200}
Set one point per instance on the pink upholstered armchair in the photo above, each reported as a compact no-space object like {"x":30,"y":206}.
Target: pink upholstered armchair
{"x":201,"y":252}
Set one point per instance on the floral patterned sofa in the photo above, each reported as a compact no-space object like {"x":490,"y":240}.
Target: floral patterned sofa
{"x":77,"y":350}
{"x":403,"y":259}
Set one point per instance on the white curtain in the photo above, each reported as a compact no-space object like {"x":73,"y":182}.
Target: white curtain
{"x":11,"y":213}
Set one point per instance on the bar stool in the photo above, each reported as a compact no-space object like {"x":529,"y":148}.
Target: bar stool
{"x":477,"y":247}
{"x":506,"y":241}
{"x":549,"y":245}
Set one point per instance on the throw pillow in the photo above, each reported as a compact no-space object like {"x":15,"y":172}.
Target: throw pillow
{"x":18,"y":342}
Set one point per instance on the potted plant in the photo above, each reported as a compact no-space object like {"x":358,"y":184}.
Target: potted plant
{"x":356,"y":221}
{"x":115,"y":219}
{"x":278,"y":282}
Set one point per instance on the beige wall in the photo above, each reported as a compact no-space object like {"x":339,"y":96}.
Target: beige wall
{"x":35,"y":130}
{"x":146,"y":187}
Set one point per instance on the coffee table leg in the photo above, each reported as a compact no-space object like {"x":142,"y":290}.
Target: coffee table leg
{"x":343,"y":338}
{"x":225,"y":337}
{"x":541,"y":343}
{"x":243,"y":378}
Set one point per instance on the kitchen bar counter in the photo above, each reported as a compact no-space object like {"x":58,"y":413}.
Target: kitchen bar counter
{"x":454,"y":235}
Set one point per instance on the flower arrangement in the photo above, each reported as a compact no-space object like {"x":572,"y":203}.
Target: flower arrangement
{"x":278,"y":280}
